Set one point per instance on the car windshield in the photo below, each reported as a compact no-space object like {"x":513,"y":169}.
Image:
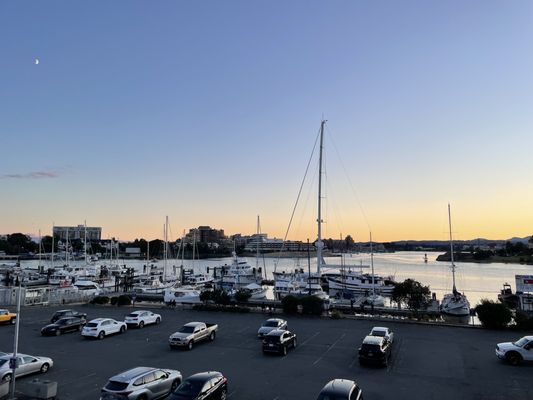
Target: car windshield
{"x":92,"y":325}
{"x":189,"y":388}
{"x":521,"y":342}
{"x":132,"y":315}
{"x":371,"y":347}
{"x":2,"y":362}
{"x":271,"y":323}
{"x":116,"y":386}
{"x":63,"y":321}
{"x":378,"y":333}
{"x":187,"y":329}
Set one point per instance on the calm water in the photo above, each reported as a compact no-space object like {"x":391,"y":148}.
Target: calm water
{"x":477,"y":281}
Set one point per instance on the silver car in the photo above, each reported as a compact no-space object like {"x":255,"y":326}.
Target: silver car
{"x":141,"y":383}
{"x":270,"y":325}
{"x":25,"y":365}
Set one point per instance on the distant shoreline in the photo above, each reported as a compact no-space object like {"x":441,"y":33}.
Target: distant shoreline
{"x":468,"y":257}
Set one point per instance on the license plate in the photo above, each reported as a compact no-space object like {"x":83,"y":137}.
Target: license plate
{"x":370,"y":354}
{"x":270,"y":345}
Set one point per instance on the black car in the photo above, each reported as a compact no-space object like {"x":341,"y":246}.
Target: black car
{"x":341,"y":389}
{"x":278,"y":341}
{"x":203,"y":386}
{"x":67,"y":313}
{"x":63,"y":325}
{"x":375,"y":350}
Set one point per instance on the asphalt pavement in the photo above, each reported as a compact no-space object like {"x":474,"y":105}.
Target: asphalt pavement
{"x":428,"y":362}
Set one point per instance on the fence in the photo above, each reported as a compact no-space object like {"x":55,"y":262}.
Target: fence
{"x":43,"y":296}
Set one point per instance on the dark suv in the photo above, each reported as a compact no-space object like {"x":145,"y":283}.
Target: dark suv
{"x":375,"y":350}
{"x":67,"y":313}
{"x":278,"y":341}
{"x":341,"y":389}
{"x":205,"y":386}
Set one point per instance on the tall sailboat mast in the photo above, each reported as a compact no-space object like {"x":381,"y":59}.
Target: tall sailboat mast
{"x":53,"y":243}
{"x":319,"y":243}
{"x":372,"y":264}
{"x":85,"y":240}
{"x":451,"y":249}
{"x":257,"y":246}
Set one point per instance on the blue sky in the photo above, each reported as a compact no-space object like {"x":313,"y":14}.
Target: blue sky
{"x":207,"y":112}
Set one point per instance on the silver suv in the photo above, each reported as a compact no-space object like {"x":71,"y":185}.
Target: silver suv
{"x":141,"y":383}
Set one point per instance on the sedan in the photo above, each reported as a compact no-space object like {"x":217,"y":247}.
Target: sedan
{"x":67,"y":313}
{"x":25,"y":365}
{"x":202,"y":386}
{"x":383,"y":332}
{"x":141,"y":318}
{"x":102,"y":327}
{"x":63,"y":325}
{"x":279,"y":341}
{"x":270,"y":325}
{"x":142,"y":383}
{"x":341,"y":389}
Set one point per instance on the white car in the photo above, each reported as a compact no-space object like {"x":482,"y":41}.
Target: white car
{"x":25,"y":365}
{"x":102,"y":327}
{"x":141,"y":318}
{"x":270,"y":325}
{"x":383,"y":332}
{"x":516,"y":352}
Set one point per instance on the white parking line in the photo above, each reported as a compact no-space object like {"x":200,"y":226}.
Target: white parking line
{"x":308,"y":339}
{"x":243,"y":329}
{"x":329,"y":348}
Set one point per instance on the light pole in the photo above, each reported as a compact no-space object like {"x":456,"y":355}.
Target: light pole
{"x":13,"y":360}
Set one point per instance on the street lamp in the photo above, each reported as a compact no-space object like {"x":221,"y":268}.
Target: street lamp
{"x":13,"y":360}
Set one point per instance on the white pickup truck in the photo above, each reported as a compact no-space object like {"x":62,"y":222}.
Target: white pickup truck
{"x":192,"y":333}
{"x":516,"y":352}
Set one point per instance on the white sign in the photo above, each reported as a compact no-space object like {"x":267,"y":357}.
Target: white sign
{"x":524,"y":283}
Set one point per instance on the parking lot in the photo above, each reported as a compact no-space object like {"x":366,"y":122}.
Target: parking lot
{"x":428,"y":362}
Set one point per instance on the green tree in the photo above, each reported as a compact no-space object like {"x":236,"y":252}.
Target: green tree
{"x":493,"y":315}
{"x":290,"y":304}
{"x":349,"y":242}
{"x":412,"y":294}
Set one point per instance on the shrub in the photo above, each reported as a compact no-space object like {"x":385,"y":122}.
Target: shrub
{"x":219,"y":296}
{"x":205,"y":296}
{"x":493,"y":315}
{"x":242,"y":295}
{"x":124,"y":300}
{"x":311,"y":305}
{"x":100,"y":300}
{"x":215,"y":307}
{"x":290,"y":304}
{"x":114,"y":300}
{"x":523,"y":321}
{"x":336,"y":314}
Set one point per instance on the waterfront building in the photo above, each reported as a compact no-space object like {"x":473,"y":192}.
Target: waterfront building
{"x":78,"y":232}
{"x":205,"y":234}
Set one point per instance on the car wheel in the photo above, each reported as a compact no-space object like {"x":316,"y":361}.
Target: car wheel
{"x":175,"y":384}
{"x":158,"y":321}
{"x":190,"y":345}
{"x":142,"y":397}
{"x":44,"y":368}
{"x":141,"y":324}
{"x":284,"y":350}
{"x":223,"y":394}
{"x":13,"y":321}
{"x":513,"y":358}
{"x":6,"y":378}
{"x":58,"y":332}
{"x":212,"y":336}
{"x":122,"y":329}
{"x":101,"y":335}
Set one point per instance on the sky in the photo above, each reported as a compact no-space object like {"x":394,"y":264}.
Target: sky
{"x":121,"y":113}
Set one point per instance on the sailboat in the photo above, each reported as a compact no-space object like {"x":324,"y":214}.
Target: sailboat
{"x":374,"y":299}
{"x":454,"y":303}
{"x":301,"y":283}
